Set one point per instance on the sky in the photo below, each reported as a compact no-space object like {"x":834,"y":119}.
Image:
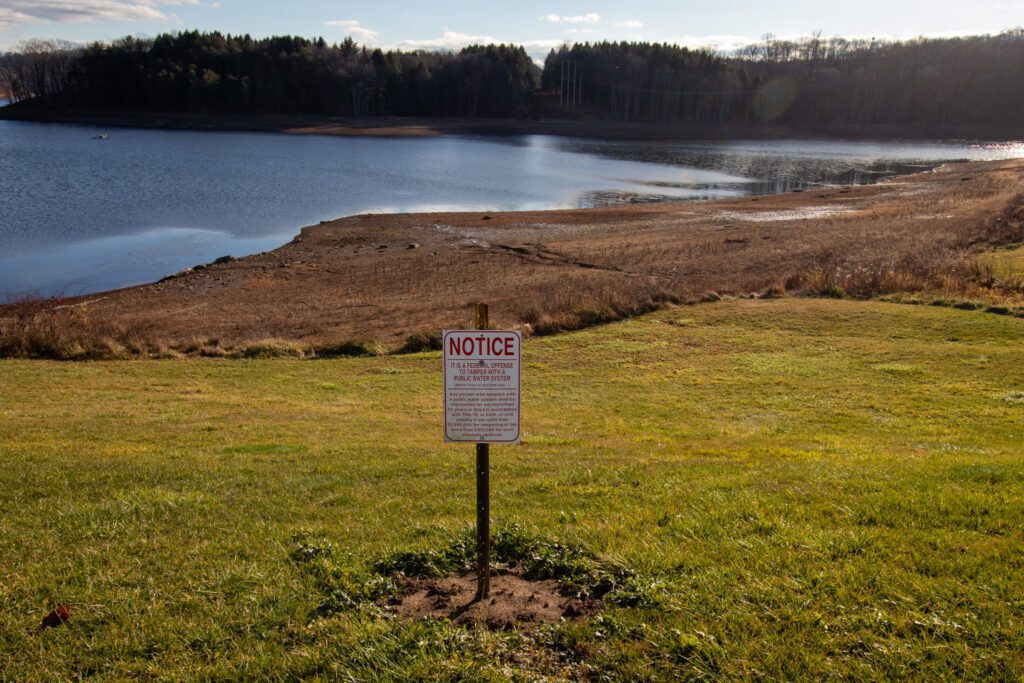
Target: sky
{"x":537,"y":24}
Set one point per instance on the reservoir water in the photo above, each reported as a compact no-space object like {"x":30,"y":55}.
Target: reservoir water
{"x":84,"y":209}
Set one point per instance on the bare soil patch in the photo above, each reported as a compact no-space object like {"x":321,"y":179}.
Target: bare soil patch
{"x":515,"y":601}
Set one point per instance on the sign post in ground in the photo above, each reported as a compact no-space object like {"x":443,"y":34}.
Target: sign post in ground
{"x":481,"y":405}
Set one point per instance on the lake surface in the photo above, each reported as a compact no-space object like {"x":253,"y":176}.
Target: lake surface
{"x":80,"y":214}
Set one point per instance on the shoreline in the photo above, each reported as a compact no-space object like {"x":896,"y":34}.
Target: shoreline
{"x":429,"y":127}
{"x":286,"y":236}
{"x":375,"y":281}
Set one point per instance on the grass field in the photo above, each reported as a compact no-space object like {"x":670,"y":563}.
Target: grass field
{"x":1006,"y":265}
{"x":805,"y":489}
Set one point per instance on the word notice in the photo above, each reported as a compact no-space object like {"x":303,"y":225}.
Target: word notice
{"x":482,"y":373}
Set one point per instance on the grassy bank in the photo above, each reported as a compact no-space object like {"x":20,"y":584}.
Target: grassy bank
{"x":804,"y":489}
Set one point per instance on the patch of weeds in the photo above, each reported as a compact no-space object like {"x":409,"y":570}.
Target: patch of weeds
{"x":699,"y":650}
{"x":539,"y":558}
{"x":575,"y":566}
{"x":421,"y":341}
{"x":270,"y":348}
{"x":633,"y":591}
{"x":429,"y":563}
{"x":307,"y":550}
{"x":967,"y":305}
{"x":344,"y":349}
{"x":572,"y":640}
{"x":343,"y":585}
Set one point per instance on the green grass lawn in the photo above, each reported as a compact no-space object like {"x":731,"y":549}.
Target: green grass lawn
{"x":806,"y":489}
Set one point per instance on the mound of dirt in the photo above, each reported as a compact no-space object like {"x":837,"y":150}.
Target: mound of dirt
{"x":514,"y":602}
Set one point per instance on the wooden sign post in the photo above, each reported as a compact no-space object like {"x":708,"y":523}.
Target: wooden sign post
{"x":482,"y":371}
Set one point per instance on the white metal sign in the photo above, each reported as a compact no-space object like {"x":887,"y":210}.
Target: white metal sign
{"x":482,"y":372}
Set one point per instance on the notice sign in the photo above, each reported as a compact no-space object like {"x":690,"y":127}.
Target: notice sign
{"x":481,"y":385}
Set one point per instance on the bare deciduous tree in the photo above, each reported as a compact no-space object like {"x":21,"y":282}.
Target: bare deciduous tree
{"x":39,"y":69}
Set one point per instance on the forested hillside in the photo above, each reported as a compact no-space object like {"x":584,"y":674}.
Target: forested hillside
{"x":961,"y":81}
{"x":212,"y":72}
{"x":928,"y":82}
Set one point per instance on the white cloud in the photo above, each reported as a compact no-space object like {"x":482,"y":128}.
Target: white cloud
{"x":589,"y":18}
{"x":630,"y":23}
{"x":9,"y":18}
{"x":353,"y":28}
{"x":455,"y":40}
{"x":727,"y":43}
{"x":449,"y":40}
{"x":718,"y":43}
{"x":16,"y":12}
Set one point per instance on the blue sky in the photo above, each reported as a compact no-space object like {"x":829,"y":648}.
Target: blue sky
{"x":538,"y":24}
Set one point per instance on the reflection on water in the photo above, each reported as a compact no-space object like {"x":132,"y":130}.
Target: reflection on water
{"x":775,"y":166}
{"x":113,"y":262}
{"x":80,"y":214}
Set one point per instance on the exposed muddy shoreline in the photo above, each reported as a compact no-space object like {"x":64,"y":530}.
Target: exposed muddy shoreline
{"x":381,"y":278}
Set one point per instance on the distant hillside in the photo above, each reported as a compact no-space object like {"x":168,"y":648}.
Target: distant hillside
{"x":958,"y":82}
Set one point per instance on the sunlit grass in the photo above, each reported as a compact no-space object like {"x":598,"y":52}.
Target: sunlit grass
{"x":809,"y":488}
{"x":1006,"y":265}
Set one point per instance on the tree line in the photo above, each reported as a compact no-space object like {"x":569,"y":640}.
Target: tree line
{"x":925,"y":82}
{"x":971,"y":81}
{"x":213,"y":72}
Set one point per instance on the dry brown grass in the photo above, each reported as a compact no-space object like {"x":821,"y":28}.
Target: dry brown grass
{"x":369,"y":284}
{"x":36,"y":328}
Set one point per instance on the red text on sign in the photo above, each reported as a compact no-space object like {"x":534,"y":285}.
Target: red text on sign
{"x":482,"y":345}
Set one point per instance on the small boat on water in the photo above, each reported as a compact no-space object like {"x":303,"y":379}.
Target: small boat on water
{"x":104,"y":136}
